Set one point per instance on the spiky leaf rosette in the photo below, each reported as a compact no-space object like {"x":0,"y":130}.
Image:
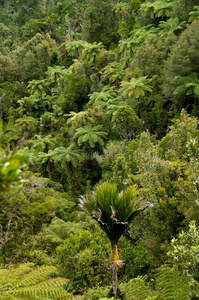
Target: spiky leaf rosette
{"x":113,"y":210}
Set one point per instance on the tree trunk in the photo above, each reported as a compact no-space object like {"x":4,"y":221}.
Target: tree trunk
{"x":114,"y":252}
{"x":114,"y":259}
{"x":114,"y":280}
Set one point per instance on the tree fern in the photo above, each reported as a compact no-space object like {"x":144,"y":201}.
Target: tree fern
{"x":136,"y":288}
{"x":40,"y":143}
{"x":75,"y":48}
{"x":188,"y":85}
{"x":26,"y":282}
{"x":194,"y":14}
{"x":137,"y":87}
{"x":101,"y":98}
{"x":76,"y":117}
{"x":115,"y":72}
{"x":91,"y":51}
{"x":43,"y":157}
{"x":90,"y":134}
{"x":25,"y":121}
{"x":66,"y":156}
{"x":158,"y":8}
{"x":172,"y":284}
{"x":172,"y":25}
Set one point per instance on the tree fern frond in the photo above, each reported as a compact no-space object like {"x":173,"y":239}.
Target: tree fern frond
{"x":136,"y":288}
{"x":25,"y":282}
{"x":173,"y":285}
{"x":39,"y":274}
{"x":194,"y":14}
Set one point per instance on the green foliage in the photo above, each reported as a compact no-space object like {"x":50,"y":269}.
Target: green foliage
{"x":194,"y":14}
{"x":112,"y":210}
{"x":137,"y":37}
{"x":73,"y":99}
{"x":182,"y":8}
{"x":23,"y":211}
{"x":136,"y":87}
{"x":82,"y":256}
{"x":8,"y":68}
{"x":136,"y":289}
{"x":99,"y":22}
{"x":185,"y":255}
{"x":91,"y":135}
{"x":181,"y":62}
{"x":172,"y":284}
{"x":127,"y":122}
{"x":174,"y":144}
{"x":75,"y":48}
{"x":42,"y":143}
{"x":26,"y":282}
{"x":158,"y":8}
{"x":171,"y":25}
{"x":115,"y":72}
{"x":91,"y":51}
{"x":56,"y":75}
{"x":35,"y":56}
{"x":66,"y":156}
{"x":189,"y":85}
{"x":98,"y":294}
{"x":10,"y":167}
{"x":102,"y":98}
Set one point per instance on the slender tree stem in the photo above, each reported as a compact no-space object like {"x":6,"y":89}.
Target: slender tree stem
{"x":115,"y":280}
{"x":114,"y":258}
{"x":114,"y":252}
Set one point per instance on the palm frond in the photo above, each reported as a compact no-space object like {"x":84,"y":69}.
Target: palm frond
{"x":111,"y":209}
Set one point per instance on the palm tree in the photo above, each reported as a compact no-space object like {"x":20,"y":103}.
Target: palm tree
{"x":26,"y":104}
{"x":113,"y":211}
{"x":125,"y":47}
{"x":90,"y":134}
{"x":114,"y":104}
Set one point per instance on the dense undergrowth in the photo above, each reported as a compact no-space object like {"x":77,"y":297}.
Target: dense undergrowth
{"x":94,"y":92}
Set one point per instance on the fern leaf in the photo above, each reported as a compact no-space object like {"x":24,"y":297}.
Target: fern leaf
{"x":173,"y":285}
{"x":136,"y":289}
{"x":25,"y":282}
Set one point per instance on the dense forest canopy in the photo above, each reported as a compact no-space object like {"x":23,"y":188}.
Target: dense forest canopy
{"x":96,"y":96}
